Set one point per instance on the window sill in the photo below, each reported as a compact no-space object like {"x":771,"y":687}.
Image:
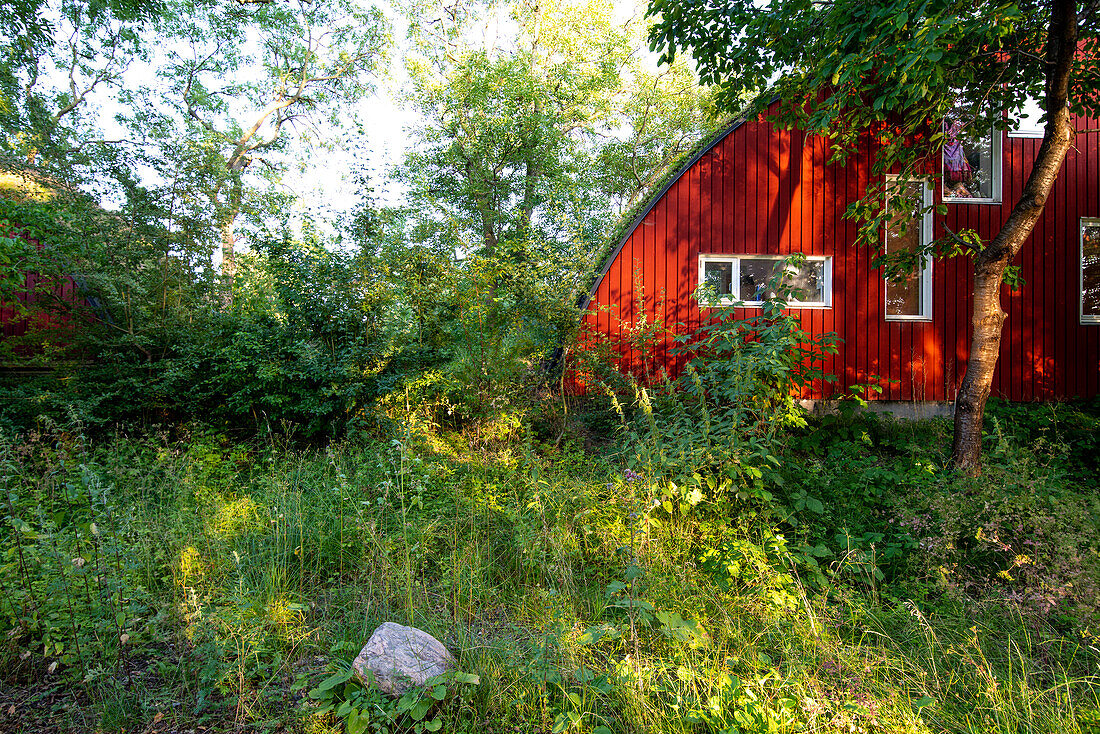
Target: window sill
{"x":909,"y":319}
{"x":969,"y":200}
{"x":759,"y":305}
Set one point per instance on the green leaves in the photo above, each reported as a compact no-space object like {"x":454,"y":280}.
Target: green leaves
{"x":357,"y":721}
{"x":329,"y":683}
{"x":712,"y":431}
{"x":366,"y":708}
{"x":689,"y":631}
{"x":923,"y":702}
{"x":891,"y":68}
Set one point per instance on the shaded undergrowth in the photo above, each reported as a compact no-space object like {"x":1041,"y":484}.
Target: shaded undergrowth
{"x":156,"y":583}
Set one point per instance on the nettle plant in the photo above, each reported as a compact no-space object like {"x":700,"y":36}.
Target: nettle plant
{"x":738,"y":388}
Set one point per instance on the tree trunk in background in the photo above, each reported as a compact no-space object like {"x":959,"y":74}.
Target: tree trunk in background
{"x":987,"y":318}
{"x":229,"y":259}
{"x":231,"y":209}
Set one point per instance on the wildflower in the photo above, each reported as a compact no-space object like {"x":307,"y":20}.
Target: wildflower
{"x":631,"y":476}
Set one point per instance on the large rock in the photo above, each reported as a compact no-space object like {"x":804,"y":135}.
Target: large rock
{"x":401,"y":658}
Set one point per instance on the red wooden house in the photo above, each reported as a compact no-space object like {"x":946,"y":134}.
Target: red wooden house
{"x":33,"y":305}
{"x":756,"y":194}
{"x":25,"y":312}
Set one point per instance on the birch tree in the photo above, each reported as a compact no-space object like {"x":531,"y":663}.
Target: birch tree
{"x":245,"y":80}
{"x":896,"y":70}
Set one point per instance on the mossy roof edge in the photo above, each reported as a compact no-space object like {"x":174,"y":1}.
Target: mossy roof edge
{"x":637,"y":214}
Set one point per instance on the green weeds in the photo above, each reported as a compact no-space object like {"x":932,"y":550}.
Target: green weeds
{"x":856,"y":585}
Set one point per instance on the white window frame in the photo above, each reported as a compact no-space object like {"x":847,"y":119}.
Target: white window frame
{"x":735,"y":284}
{"x":1084,"y":318}
{"x":995,"y":174}
{"x":926,"y":271}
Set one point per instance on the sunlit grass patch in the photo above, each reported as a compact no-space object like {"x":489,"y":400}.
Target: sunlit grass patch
{"x":581,"y":594}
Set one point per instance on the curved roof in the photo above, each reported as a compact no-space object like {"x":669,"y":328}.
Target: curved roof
{"x":707,"y":145}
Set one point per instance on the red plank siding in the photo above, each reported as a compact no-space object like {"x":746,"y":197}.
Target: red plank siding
{"x":37,"y":290}
{"x":761,"y":191}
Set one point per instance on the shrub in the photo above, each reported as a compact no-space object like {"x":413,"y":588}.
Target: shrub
{"x":738,"y":388}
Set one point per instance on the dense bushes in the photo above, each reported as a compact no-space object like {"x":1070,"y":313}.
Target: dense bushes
{"x":734,"y":396}
{"x":156,"y":337}
{"x":306,"y":339}
{"x":305,"y":352}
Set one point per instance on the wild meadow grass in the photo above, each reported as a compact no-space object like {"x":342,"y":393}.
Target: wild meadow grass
{"x":163,"y":583}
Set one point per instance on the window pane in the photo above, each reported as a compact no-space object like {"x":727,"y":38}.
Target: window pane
{"x":719,"y":275}
{"x":807,"y":283}
{"x":1090,"y":268}
{"x":903,"y":298}
{"x":1030,"y":120}
{"x":967,"y":160}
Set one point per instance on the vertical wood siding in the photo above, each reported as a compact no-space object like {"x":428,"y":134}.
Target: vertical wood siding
{"x":762,"y":191}
{"x":36,"y":289}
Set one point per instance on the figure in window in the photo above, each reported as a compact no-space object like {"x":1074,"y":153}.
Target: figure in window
{"x":967,"y":158}
{"x":957,"y":169}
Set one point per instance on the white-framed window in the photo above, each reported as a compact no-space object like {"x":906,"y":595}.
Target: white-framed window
{"x":749,"y":279}
{"x":910,"y":299}
{"x":971,"y":161}
{"x":1090,"y":270}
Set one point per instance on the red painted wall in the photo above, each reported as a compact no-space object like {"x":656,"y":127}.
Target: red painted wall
{"x":762,"y":191}
{"x":35,"y":289}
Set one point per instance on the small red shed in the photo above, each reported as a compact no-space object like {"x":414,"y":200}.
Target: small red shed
{"x":33,"y":304}
{"x":755,"y":194}
{"x":25,"y":313}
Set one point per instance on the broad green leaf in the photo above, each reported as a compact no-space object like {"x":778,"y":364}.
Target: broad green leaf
{"x":357,"y":722}
{"x":334,"y":680}
{"x":466,"y":679}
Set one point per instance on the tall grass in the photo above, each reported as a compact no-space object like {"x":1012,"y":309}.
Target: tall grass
{"x":196,"y":579}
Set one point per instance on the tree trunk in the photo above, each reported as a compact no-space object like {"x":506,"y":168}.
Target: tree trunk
{"x":530,"y":188}
{"x":987,"y":317}
{"x":986,"y":320}
{"x":229,"y":255}
{"x":230,"y":211}
{"x":532,"y":174}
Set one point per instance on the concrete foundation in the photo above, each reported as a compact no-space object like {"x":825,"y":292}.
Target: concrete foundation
{"x":899,"y":409}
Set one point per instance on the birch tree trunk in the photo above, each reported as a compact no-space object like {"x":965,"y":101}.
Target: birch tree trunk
{"x":987,"y":318}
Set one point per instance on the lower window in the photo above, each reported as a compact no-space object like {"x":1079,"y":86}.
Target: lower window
{"x":910,"y":299}
{"x":1090,"y":270}
{"x":753,"y":279}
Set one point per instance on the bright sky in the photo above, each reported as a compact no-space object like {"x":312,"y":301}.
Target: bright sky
{"x":325,"y":180}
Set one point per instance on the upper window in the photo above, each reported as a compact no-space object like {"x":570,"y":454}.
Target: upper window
{"x":910,"y":299}
{"x":752,"y":279}
{"x":1090,"y":270}
{"x":971,"y":160}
